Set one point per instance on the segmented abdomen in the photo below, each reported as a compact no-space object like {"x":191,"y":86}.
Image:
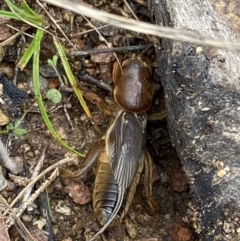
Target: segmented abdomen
{"x":105,"y":192}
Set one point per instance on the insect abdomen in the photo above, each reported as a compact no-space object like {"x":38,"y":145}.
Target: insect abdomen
{"x":105,"y":192}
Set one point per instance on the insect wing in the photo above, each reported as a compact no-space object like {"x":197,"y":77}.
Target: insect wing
{"x":125,"y":141}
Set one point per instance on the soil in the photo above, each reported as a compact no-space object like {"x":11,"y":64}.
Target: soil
{"x":70,"y":200}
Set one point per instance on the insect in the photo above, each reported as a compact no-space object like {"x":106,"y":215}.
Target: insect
{"x":122,"y":154}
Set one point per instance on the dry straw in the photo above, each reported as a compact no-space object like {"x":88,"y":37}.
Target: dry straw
{"x":137,"y":26}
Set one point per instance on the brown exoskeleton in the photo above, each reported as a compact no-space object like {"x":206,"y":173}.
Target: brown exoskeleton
{"x":122,"y":154}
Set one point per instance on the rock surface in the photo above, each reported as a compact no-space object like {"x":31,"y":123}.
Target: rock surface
{"x":202,"y":94}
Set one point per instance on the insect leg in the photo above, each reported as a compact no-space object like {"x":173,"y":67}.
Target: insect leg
{"x":79,"y":226}
{"x":148,"y":167}
{"x":100,"y":104}
{"x":87,"y":163}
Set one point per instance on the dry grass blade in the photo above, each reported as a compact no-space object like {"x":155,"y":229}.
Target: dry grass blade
{"x":52,"y":167}
{"x":78,"y":92}
{"x":10,"y":221}
{"x":55,"y":23}
{"x":33,"y":197}
{"x":165,"y":32}
{"x":19,"y":225}
{"x":35,"y":173}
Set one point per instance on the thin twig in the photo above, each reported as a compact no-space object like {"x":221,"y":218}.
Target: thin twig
{"x":32,"y":198}
{"x":134,"y":15}
{"x":110,"y":50}
{"x":130,"y":9}
{"x":67,"y":115}
{"x":96,"y":82}
{"x":20,"y":31}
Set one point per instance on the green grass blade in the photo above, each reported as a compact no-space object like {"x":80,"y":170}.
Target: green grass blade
{"x":26,"y":56}
{"x":38,"y":96}
{"x":21,"y":13}
{"x":8,"y":14}
{"x":72,"y":80}
{"x":27,"y":9}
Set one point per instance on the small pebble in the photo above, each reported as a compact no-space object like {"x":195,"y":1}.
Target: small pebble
{"x":221,"y":173}
{"x":26,"y":218}
{"x":4,"y":119}
{"x":63,"y":209}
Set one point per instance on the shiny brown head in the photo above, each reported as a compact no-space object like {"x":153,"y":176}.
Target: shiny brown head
{"x":133,"y":86}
